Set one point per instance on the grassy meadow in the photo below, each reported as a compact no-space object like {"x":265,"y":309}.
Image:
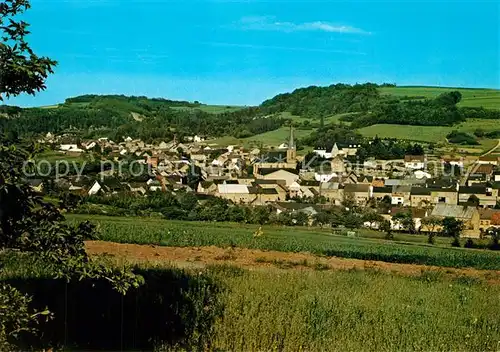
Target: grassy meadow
{"x":225,"y":308}
{"x":212,"y":109}
{"x":355,"y":311}
{"x":432,"y":134}
{"x":369,"y":246}
{"x":487,"y":98}
{"x":270,"y":139}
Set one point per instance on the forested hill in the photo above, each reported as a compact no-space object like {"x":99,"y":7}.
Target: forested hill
{"x":117,"y":116}
{"x":374,"y":104}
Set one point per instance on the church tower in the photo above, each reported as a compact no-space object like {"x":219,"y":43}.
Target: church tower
{"x":291,"y":153}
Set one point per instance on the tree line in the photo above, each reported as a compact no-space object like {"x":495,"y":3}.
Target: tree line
{"x":154,"y":119}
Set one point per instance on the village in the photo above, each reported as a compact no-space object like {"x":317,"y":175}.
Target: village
{"x":467,"y":190}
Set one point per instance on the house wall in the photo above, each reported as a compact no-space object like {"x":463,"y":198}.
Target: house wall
{"x":333,"y":196}
{"x":418,"y":201}
{"x":237,"y":197}
{"x":361,"y":198}
{"x":286,"y":176}
{"x":380,"y":196}
{"x":261,"y":199}
{"x":400,"y":198}
{"x":417,"y":165}
{"x":450,"y":197}
{"x":472,"y":227}
{"x":484,"y":200}
{"x":484,"y":224}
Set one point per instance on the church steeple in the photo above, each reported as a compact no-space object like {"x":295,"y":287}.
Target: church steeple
{"x":291,"y":142}
{"x":291,"y":153}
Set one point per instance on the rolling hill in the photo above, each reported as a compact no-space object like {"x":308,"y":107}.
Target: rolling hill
{"x":471,"y":97}
{"x":118,"y":115}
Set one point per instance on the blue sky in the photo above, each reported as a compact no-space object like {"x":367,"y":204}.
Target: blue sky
{"x":242,"y":52}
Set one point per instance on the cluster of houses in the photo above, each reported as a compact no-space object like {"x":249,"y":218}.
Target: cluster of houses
{"x":255,"y":177}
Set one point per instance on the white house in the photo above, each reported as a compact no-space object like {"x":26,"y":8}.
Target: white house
{"x":415,"y":162}
{"x":453,"y":161}
{"x":324,"y":177}
{"x":419,"y":174}
{"x":96,"y":187}
{"x":70,"y":148}
{"x":90,"y":145}
{"x":198,"y":139}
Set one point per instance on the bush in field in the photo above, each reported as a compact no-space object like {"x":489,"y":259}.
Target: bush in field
{"x":452,"y":228}
{"x":386,"y":227}
{"x":495,"y":238}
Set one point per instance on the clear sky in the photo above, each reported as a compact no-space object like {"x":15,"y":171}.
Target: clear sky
{"x":242,"y":52}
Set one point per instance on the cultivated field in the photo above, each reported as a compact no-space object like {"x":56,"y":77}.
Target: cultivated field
{"x":226,"y":308}
{"x":405,"y":249}
{"x":435,"y":134}
{"x":271,"y":138}
{"x":487,"y":98}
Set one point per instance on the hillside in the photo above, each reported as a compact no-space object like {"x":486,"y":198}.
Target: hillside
{"x":425,"y":114}
{"x":471,"y":97}
{"x":118,"y":116}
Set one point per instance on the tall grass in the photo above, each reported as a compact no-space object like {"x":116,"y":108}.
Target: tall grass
{"x":183,"y":234}
{"x":355,"y":311}
{"x":231,"y":309}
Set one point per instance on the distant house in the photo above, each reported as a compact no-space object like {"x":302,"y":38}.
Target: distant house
{"x":485,"y":169}
{"x":337,"y":165}
{"x":444,"y":196}
{"x":291,"y":207}
{"x":36,"y":185}
{"x":380,"y":193}
{"x":416,"y":214}
{"x":333,"y":192}
{"x":360,"y":193}
{"x":486,"y":195}
{"x":137,"y":187}
{"x":288,"y":175}
{"x":488,"y":218}
{"x":415,"y":162}
{"x":264,"y":195}
{"x":488,"y":159}
{"x":458,"y":162}
{"x":96,"y":188}
{"x":235,"y":192}
{"x":400,"y":195}
{"x":324,"y":177}
{"x":467,"y":214}
{"x":420,"y":197}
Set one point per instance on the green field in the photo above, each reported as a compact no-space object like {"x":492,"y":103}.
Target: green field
{"x":487,"y":98}
{"x":271,"y":138}
{"x":212,"y":109}
{"x":224,"y":308}
{"x":427,"y":133}
{"x":355,"y":311}
{"x":276,"y":137}
{"x":316,"y":241}
{"x":53,"y":156}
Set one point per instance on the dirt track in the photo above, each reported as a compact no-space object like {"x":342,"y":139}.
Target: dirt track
{"x":251,"y":258}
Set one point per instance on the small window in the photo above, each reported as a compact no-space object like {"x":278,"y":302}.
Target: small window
{"x":442,"y":200}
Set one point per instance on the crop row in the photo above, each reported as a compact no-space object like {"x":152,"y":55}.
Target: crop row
{"x":198,"y":234}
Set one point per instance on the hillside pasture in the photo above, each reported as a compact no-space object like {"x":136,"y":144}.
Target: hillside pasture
{"x":212,"y":109}
{"x":227,"y":308}
{"x":487,"y":98}
{"x":433,"y":134}
{"x":269,"y":139}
